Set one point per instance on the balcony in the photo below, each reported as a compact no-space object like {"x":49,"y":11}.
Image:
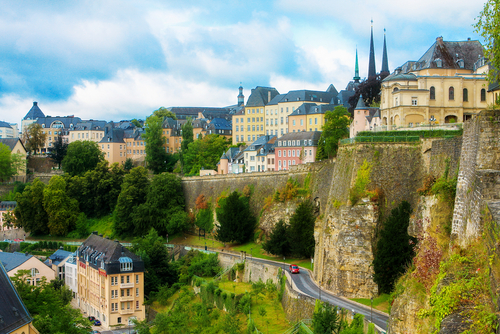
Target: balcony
{"x":127,"y":311}
{"x":126,"y":298}
{"x":126,"y":285}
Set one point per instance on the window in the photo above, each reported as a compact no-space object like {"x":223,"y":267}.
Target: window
{"x":483,"y":95}
{"x":137,"y":304}
{"x":293,"y":123}
{"x":414,"y":101}
{"x":301,"y":122}
{"x":315,"y":121}
{"x":293,"y":153}
{"x":128,"y":279}
{"x":123,"y":292}
{"x":466,"y":95}
{"x":451,"y":93}
{"x":137,"y":292}
{"x":119,"y":320}
{"x":432,"y":95}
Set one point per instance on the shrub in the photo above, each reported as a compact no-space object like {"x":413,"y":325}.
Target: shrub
{"x":362,"y":180}
{"x":427,"y":185}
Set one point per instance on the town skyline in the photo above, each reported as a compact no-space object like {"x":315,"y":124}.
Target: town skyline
{"x":85,"y":62}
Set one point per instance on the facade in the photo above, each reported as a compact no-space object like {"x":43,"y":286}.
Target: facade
{"x":110,"y":281}
{"x":87,"y":130}
{"x":219,"y":126}
{"x":13,"y":262}
{"x":16,"y":147}
{"x":172,"y":133}
{"x":15,"y":318}
{"x":295,"y":149}
{"x":446,"y":85}
{"x":225,"y":163}
{"x":255,"y":154}
{"x":71,"y":275}
{"x":365,"y":119}
{"x":6,"y":206}
{"x":54,"y":127}
{"x":6,"y":131}
{"x":56,"y":261}
{"x":33,"y":114}
{"x":309,"y":117}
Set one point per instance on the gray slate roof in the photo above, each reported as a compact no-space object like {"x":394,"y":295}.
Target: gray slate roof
{"x":58,"y":256}
{"x":10,"y":142}
{"x":12,"y":310}
{"x":13,"y":260}
{"x":220,"y":124}
{"x":34,"y":112}
{"x":113,"y":135}
{"x":262,"y":140}
{"x":450,"y":53}
{"x":67,"y":121}
{"x":5,"y":125}
{"x":314,"y":135}
{"x":90,"y":125}
{"x":261,"y":96}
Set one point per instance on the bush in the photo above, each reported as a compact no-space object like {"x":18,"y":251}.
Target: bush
{"x":362,"y":181}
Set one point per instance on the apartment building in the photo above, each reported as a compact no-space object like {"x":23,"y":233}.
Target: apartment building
{"x":87,"y":130}
{"x":296,"y":148}
{"x":110,"y":281}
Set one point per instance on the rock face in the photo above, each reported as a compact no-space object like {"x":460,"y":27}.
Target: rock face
{"x":276,"y":212}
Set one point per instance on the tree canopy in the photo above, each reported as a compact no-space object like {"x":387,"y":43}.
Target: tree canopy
{"x":301,"y":231}
{"x":30,"y":212}
{"x":236,"y":221}
{"x":204,"y":153}
{"x":58,"y":152}
{"x":156,"y":156}
{"x":81,"y":156}
{"x":488,"y":25}
{"x":34,"y":138}
{"x":61,"y":209}
{"x":7,"y":165}
{"x":163,"y":112}
{"x":187,"y":138}
{"x":395,"y":248}
{"x":336,"y":127}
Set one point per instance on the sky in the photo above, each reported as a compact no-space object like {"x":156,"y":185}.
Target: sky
{"x":123,"y":59}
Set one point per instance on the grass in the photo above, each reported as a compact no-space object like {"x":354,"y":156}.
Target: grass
{"x":165,"y":308}
{"x":380,"y":303}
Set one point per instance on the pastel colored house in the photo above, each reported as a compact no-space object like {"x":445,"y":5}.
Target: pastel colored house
{"x":56,"y":261}
{"x":13,"y":262}
{"x":295,"y":149}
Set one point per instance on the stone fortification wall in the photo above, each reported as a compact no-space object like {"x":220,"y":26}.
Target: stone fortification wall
{"x":345,"y":234}
{"x":479,"y":175}
{"x":444,"y":150}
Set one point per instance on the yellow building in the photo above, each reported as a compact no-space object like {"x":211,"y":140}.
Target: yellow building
{"x":446,"y":85}
{"x":172,"y":134}
{"x":88,"y":130}
{"x":110,"y":281}
{"x":54,"y":127}
{"x":309,"y":117}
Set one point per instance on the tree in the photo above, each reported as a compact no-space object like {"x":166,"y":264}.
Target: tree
{"x":58,"y":151}
{"x":204,"y":153}
{"x":61,"y":209}
{"x":278,"y":243}
{"x":156,"y":156}
{"x":136,"y":123}
{"x":187,"y":138}
{"x":163,"y":112}
{"x":370,"y":90}
{"x":49,"y":306}
{"x":236,"y":222}
{"x":301,"y":230}
{"x":155,"y":255}
{"x":81,"y":156}
{"x":395,"y":248}
{"x":129,"y":164}
{"x":6,"y":166}
{"x":30,"y":212}
{"x":34,"y":138}
{"x":336,"y":127}
{"x":164,"y":207}
{"x":326,"y":318}
{"x":488,"y":25}
{"x":133,"y":193}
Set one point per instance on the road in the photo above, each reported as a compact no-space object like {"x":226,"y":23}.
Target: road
{"x":304,"y":283}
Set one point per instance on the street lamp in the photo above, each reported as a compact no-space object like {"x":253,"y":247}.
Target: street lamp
{"x":251,"y":253}
{"x":371,"y":309}
{"x":432,"y":120}
{"x":284,"y":266}
{"x":319,"y":288}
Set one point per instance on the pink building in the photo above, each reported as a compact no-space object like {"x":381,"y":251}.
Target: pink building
{"x":365,"y":119}
{"x":296,"y":148}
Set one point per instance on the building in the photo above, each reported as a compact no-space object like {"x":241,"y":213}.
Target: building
{"x":87,"y":130}
{"x":13,"y":262}
{"x":71,"y":274}
{"x":6,"y":131}
{"x":446,"y":85}
{"x":14,"y":317}
{"x":365,"y":119}
{"x":56,"y":261}
{"x":54,"y":127}
{"x":255,"y":154}
{"x":110,"y":281}
{"x":219,"y":126}
{"x":172,"y":133}
{"x":309,"y":117}
{"x":16,"y":146}
{"x":6,"y":206}
{"x":225,"y":163}
{"x":296,"y":148}
{"x":33,"y":114}
{"x":182,"y":113}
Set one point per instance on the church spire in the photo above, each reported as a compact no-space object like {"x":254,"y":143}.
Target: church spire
{"x":385,"y":62}
{"x":356,"y":69}
{"x":371,"y":65}
{"x":241,"y":97}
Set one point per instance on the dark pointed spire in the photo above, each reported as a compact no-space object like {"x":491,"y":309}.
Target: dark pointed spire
{"x":241,"y":97}
{"x":361,"y":103}
{"x":385,"y":61}
{"x":356,"y":69}
{"x":372,"y":71}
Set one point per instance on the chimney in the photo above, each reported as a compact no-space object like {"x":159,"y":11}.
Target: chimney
{"x":439,"y":40}
{"x":35,"y":104}
{"x":468,"y":38}
{"x":268,"y":96}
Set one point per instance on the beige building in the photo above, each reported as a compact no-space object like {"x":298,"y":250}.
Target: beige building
{"x":13,"y":262}
{"x":110,"y":281}
{"x":446,"y":85}
{"x":16,"y":147}
{"x":87,"y":130}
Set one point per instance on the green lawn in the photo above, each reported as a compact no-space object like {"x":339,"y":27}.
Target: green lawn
{"x":380,"y":303}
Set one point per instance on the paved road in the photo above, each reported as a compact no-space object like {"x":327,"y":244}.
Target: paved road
{"x":304,"y":283}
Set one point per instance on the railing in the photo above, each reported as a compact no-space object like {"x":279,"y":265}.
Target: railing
{"x":443,"y":126}
{"x":127,"y":285}
{"x":127,"y":311}
{"x":127,"y":298}
{"x":380,"y":139}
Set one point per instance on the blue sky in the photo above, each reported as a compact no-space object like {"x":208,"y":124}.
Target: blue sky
{"x":122,"y":59}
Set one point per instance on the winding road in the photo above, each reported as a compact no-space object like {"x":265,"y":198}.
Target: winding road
{"x":304,"y":283}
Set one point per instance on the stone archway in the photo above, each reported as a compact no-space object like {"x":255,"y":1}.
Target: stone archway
{"x":451,"y":119}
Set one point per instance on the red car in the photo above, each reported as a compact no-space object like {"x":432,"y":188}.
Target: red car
{"x":18,"y":240}
{"x":294,"y":269}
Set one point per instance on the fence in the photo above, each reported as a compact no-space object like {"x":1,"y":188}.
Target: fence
{"x":380,"y":139}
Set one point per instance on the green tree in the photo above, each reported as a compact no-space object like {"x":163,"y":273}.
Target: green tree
{"x":34,"y":138}
{"x":278,"y":243}
{"x":336,"y":127}
{"x":301,"y":230}
{"x":236,"y":221}
{"x":163,"y":112}
{"x":81,"y":156}
{"x":156,"y":156}
{"x":6,"y":166}
{"x":30,"y":212}
{"x":326,"y":318}
{"x":356,"y":326}
{"x":49,"y":306}
{"x":136,"y":123}
{"x":187,"y":138}
{"x":155,"y":255}
{"x":133,"y":193}
{"x":164,"y":207}
{"x":488,"y":25}
{"x":395,"y":248}
{"x":59,"y":149}
{"x":204,"y":153}
{"x":61,"y":209}
{"x":129,"y":164}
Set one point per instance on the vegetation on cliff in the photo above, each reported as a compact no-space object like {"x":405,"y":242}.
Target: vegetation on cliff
{"x":236,"y":221}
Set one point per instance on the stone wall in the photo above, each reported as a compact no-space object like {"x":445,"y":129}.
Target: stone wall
{"x":479,"y":175}
{"x":444,"y":150}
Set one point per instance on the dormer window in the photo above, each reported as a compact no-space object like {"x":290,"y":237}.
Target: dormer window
{"x":439,"y":62}
{"x":126,"y":264}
